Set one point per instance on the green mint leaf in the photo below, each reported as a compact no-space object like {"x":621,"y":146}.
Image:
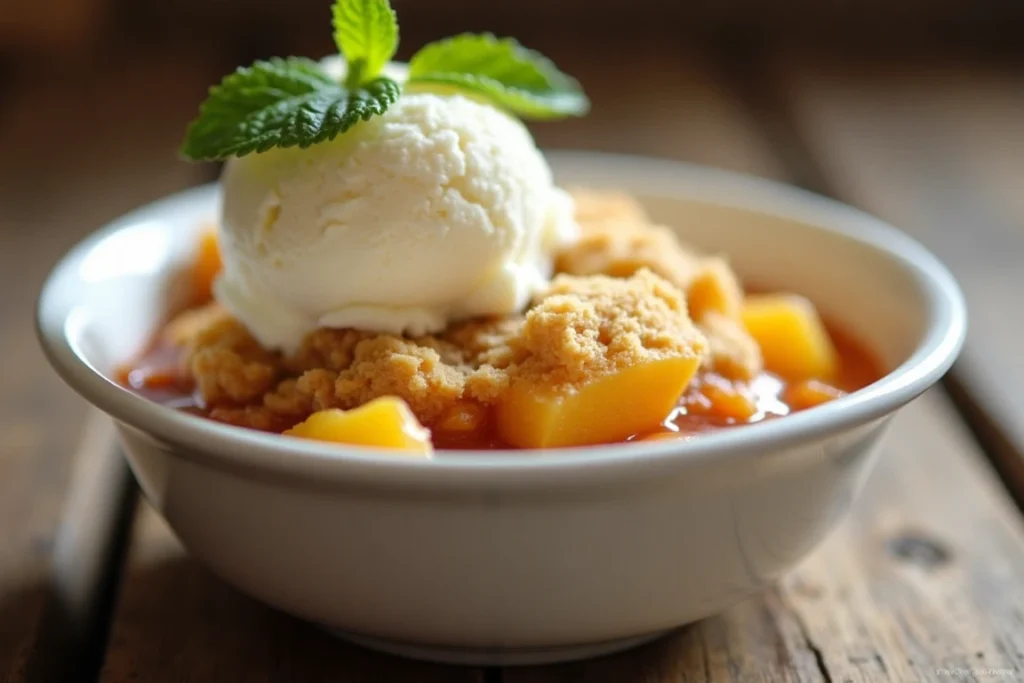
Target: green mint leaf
{"x":520,"y":80}
{"x":366,"y":33}
{"x":280,"y":103}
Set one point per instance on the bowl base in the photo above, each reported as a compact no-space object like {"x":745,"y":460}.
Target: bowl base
{"x":468,"y":656}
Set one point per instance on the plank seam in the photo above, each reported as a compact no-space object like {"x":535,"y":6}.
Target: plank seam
{"x":805,"y":635}
{"x":88,"y":560}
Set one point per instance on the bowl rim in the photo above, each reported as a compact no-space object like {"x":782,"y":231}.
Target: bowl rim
{"x":249,"y":452}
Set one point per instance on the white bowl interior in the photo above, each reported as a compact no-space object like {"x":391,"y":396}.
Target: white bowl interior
{"x":129,"y":279}
{"x":867,"y":291}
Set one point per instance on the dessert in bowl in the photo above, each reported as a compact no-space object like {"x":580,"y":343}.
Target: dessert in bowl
{"x":418,"y":388}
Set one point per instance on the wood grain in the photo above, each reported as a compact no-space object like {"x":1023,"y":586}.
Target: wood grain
{"x":922,"y":579}
{"x":926,"y":576}
{"x":177,"y":623}
{"x":938,"y":150}
{"x":758,"y":640}
{"x":88,"y":553}
{"x":79,"y":148}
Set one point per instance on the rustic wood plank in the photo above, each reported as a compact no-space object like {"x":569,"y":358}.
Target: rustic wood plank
{"x":923,"y":579}
{"x":177,"y":622}
{"x":926,"y":577}
{"x":87,"y":556}
{"x":938,"y":149}
{"x":758,"y":640}
{"x":77,"y":152}
{"x":33,"y":499}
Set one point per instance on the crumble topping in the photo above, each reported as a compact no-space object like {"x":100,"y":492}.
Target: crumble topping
{"x":734,"y":353}
{"x":598,"y":206}
{"x":621,"y":242}
{"x":629,"y":293}
{"x":620,"y":248}
{"x":228,"y":364}
{"x":589,"y":327}
{"x":184,"y":328}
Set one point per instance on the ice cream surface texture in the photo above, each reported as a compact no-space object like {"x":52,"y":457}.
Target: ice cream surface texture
{"x":442,"y":208}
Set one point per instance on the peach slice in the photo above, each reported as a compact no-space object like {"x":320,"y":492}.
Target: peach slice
{"x":384,"y":422}
{"x":631,"y":401}
{"x":206,"y":267}
{"x":793,"y":340}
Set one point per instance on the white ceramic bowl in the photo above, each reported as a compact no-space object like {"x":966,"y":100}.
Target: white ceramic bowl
{"x":495,"y":557}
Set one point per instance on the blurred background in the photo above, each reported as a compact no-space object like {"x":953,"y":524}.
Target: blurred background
{"x":94,"y":94}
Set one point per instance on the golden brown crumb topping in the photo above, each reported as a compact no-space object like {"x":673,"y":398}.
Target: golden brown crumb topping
{"x":186,"y":326}
{"x":429,"y":380}
{"x":733,"y":352}
{"x":598,"y":206}
{"x":588,"y":327}
{"x":621,"y":248}
{"x":620,"y":241}
{"x":389,"y":366}
{"x":629,"y":293}
{"x":228,"y":364}
{"x":581,"y":329}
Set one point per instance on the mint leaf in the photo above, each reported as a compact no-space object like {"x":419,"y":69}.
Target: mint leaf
{"x":520,"y":80}
{"x":280,"y":103}
{"x":366,"y":33}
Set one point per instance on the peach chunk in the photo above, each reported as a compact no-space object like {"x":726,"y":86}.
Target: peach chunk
{"x":206,"y":267}
{"x":463,"y":417}
{"x":719,"y":397}
{"x":810,"y":393}
{"x":612,"y":408}
{"x":792,"y":337}
{"x":384,"y":422}
{"x":714,"y":289}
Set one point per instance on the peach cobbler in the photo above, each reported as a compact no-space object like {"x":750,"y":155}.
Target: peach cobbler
{"x":394,"y":266}
{"x":637,"y":337}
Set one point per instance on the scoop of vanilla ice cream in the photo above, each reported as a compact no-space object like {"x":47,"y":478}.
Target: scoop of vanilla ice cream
{"x":442,"y":208}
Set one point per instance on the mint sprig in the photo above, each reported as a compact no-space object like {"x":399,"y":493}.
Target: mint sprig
{"x":280,"y":103}
{"x":366,"y":33}
{"x":520,"y":80}
{"x":293,"y":102}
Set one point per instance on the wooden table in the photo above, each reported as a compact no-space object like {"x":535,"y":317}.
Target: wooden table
{"x":922,"y":583}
